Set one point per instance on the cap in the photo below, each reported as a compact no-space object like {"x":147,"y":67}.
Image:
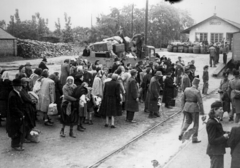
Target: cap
{"x":216,"y":104}
{"x":28,"y":64}
{"x":196,"y":81}
{"x":158,"y":73}
{"x":44,"y":60}
{"x":16,"y":82}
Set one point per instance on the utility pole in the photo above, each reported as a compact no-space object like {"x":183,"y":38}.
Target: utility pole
{"x":132,"y":18}
{"x":146,"y":22}
{"x":91,"y":20}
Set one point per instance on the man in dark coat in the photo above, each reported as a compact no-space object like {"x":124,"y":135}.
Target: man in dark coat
{"x":154,"y":95}
{"x":145,"y":82}
{"x":217,"y":138}
{"x":111,"y":102}
{"x":15,"y":117}
{"x":168,"y":93}
{"x":43,"y":65}
{"x":132,"y":97}
{"x":234,"y":144}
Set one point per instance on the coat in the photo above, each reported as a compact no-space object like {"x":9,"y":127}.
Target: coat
{"x":234,"y":84}
{"x":192,"y":101}
{"x":5,"y":89}
{"x":88,"y":77}
{"x":65,"y":71}
{"x":213,"y":52}
{"x":15,"y":114}
{"x":185,"y":82}
{"x":110,"y":105}
{"x":216,"y":141}
{"x":131,"y":103}
{"x":145,"y":84}
{"x":42,"y":66}
{"x":168,"y":92}
{"x":46,"y":94}
{"x":234,"y":144}
{"x":97,"y":87}
{"x":153,"y":95}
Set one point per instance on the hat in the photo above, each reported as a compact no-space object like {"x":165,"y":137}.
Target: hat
{"x":16,"y":82}
{"x":196,"y":81}
{"x":28,"y":64}
{"x":206,"y":66}
{"x":44,"y":60}
{"x":216,"y":104}
{"x":158,"y":73}
{"x":133,"y":72}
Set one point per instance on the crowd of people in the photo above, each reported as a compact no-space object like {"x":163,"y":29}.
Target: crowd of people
{"x":84,"y":89}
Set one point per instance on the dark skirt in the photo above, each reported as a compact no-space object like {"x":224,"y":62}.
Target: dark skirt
{"x":110,"y":107}
{"x":72,"y":118}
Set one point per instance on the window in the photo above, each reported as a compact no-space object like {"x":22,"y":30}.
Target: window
{"x":201,"y":37}
{"x":216,"y":37}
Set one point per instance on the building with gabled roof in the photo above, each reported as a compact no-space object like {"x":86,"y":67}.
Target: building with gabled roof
{"x":8,"y":44}
{"x":213,"y":29}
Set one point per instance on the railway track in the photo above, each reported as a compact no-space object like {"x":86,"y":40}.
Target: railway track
{"x":138,"y":137}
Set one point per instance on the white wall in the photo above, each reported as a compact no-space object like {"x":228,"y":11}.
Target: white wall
{"x":207,"y":27}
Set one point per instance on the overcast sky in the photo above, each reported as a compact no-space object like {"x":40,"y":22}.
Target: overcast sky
{"x":81,"y":10}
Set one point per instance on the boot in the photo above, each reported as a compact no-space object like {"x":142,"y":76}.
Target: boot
{"x":156,"y":114}
{"x":79,"y":128}
{"x":151,"y":115}
{"x":71,"y":133}
{"x":62,"y":133}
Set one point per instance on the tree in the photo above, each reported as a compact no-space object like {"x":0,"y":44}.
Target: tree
{"x":67,"y":32}
{"x":3,"y":24}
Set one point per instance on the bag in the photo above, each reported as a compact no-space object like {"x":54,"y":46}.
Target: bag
{"x":33,"y":136}
{"x":52,"y":109}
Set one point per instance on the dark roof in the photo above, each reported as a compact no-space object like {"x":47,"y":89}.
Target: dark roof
{"x":5,"y":35}
{"x":234,"y":24}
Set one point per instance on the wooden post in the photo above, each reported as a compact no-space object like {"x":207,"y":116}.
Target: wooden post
{"x":146,"y":22}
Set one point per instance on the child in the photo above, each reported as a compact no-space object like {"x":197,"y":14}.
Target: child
{"x":90,"y":106}
{"x":205,"y":78}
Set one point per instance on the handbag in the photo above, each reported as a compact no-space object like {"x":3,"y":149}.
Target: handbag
{"x":52,"y":109}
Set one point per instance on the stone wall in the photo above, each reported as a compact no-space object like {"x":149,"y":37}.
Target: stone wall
{"x":7,"y":48}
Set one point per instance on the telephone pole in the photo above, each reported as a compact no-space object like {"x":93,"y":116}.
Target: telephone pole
{"x":146,"y":22}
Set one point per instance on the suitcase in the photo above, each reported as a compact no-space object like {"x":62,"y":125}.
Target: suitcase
{"x":102,"y":54}
{"x":117,"y":48}
{"x":101,"y":46}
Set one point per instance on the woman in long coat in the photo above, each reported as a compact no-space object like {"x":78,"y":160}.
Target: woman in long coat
{"x":5,"y":89}
{"x":69,"y":114}
{"x":154,"y":93}
{"x":168,"y":92}
{"x":111,"y":100}
{"x":97,"y":87}
{"x":30,"y":106}
{"x":46,"y":96}
{"x":132,"y":96}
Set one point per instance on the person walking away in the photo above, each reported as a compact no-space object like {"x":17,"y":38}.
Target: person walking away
{"x":225,"y":52}
{"x":205,"y":78}
{"x":212,"y":58}
{"x":234,"y":144}
{"x":224,"y":96}
{"x":5,"y":89}
{"x":132,"y":97}
{"x":233,"y":90}
{"x":43,"y":64}
{"x":192,"y":107}
{"x":65,"y":71}
{"x":185,"y":83}
{"x":110,"y":106}
{"x":16,"y":116}
{"x":217,"y":138}
{"x":69,"y":114}
{"x":154,"y":95}
{"x":139,"y":40}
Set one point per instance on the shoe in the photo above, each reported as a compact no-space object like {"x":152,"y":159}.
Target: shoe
{"x":180,"y":137}
{"x":133,"y":121}
{"x":26,"y":141}
{"x":80,"y":129}
{"x":71,"y":134}
{"x":18,"y":148}
{"x":156,"y":114}
{"x":90,"y":122}
{"x":113,"y":126}
{"x":62,"y":133}
{"x":47,"y":123}
{"x":152,"y":116}
{"x":146,"y":111}
{"x":168,"y":107}
{"x":106,"y":125}
{"x":196,"y":141}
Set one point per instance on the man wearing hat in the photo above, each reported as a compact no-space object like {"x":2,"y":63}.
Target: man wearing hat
{"x":154,"y":95}
{"x":132,"y":95}
{"x":43,"y":65}
{"x":192,"y":106}
{"x":28,"y":69}
{"x":15,"y":117}
{"x":217,"y":138}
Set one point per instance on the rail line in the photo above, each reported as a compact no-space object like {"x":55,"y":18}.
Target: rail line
{"x":102,"y":160}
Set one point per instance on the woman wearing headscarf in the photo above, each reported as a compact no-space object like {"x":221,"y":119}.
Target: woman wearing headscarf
{"x":30,"y":108}
{"x":58,"y":91}
{"x":46,"y":96}
{"x":34,"y":77}
{"x":21,"y":73}
{"x":69,"y":114}
{"x":5,"y":89}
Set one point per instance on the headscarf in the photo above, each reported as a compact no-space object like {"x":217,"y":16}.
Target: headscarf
{"x":5,"y":75}
{"x":70,"y":77}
